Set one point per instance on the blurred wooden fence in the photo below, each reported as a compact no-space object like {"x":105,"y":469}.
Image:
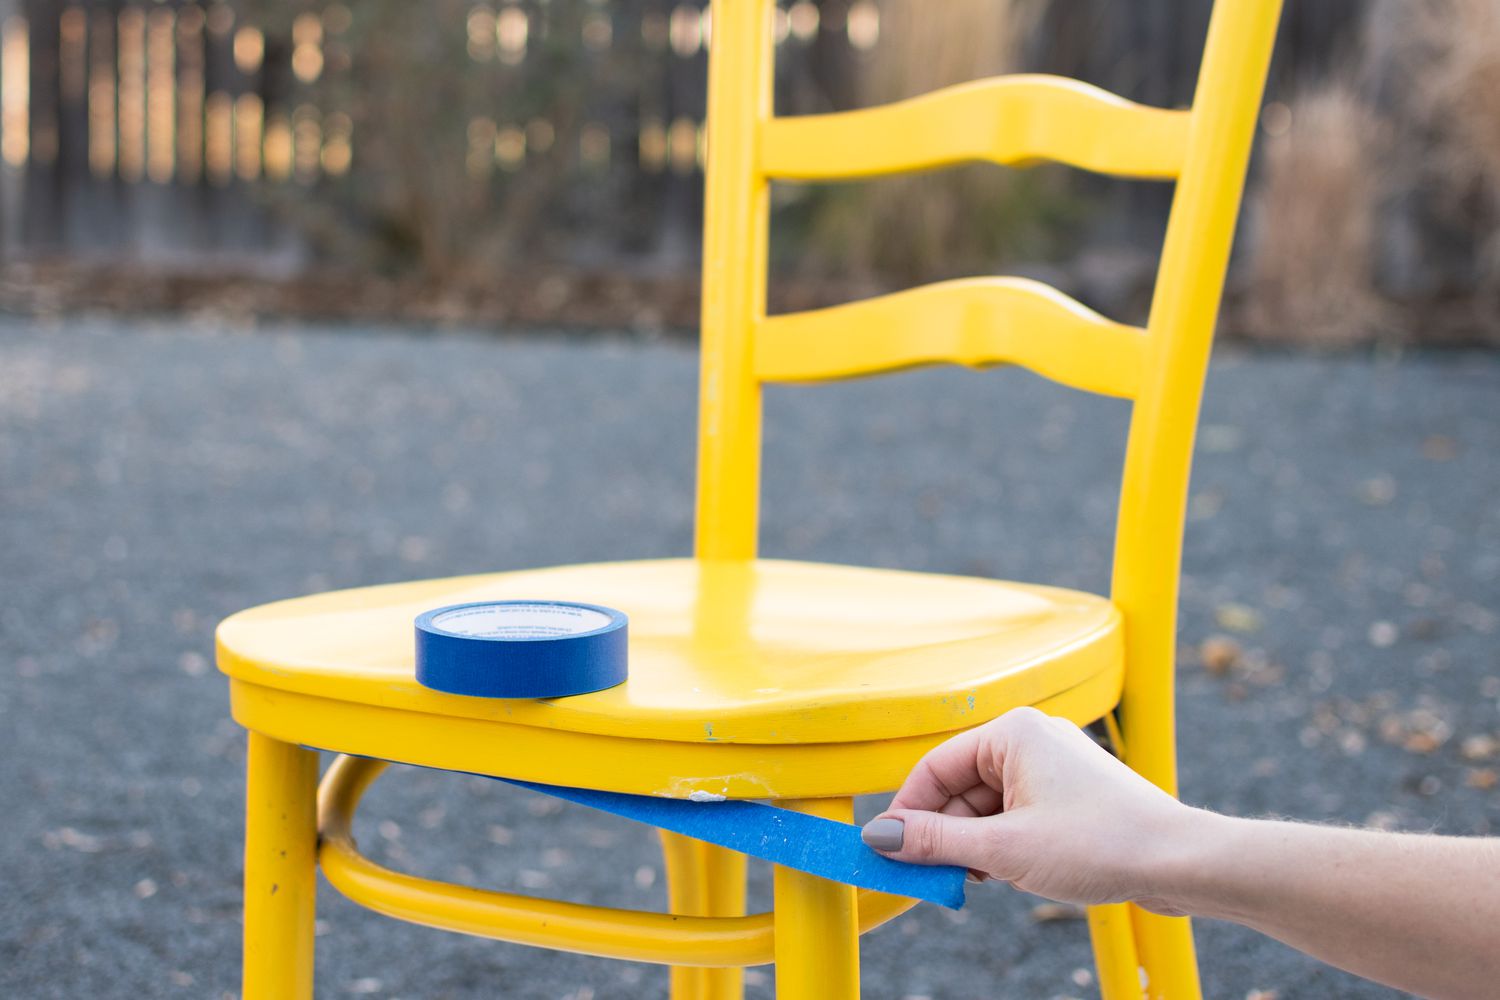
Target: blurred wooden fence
{"x":154,"y":131}
{"x":137,"y":128}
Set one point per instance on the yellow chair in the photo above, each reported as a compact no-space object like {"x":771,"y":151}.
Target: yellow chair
{"x":806,"y":684}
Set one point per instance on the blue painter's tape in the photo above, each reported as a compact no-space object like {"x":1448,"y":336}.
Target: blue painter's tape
{"x":550,"y":649}
{"x":521,"y":649}
{"x":811,"y":844}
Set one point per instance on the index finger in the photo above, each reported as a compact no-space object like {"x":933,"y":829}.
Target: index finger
{"x":947,"y":772}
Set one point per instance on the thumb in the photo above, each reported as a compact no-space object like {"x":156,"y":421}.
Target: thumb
{"x":929,"y":838}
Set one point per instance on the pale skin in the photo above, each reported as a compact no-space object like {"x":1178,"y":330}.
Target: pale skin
{"x":1033,"y":801}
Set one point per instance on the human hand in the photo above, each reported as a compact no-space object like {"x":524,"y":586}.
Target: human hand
{"x":1033,"y":801}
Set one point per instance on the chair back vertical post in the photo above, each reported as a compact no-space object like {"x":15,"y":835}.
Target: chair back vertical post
{"x":1153,"y":503}
{"x":1172,"y":361}
{"x":736,"y":218}
{"x":1153,"y":500}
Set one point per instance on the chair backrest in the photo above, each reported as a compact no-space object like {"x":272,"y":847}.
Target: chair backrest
{"x":1010,"y":120}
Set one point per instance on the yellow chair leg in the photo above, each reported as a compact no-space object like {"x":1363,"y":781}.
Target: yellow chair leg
{"x":1165,"y":946}
{"x":685,"y":896}
{"x":817,"y":924}
{"x":1114,"y":952}
{"x":704,"y":880}
{"x":281,"y":842}
{"x":724,"y":875}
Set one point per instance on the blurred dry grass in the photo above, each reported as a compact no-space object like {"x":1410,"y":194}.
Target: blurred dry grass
{"x":1456,"y":88}
{"x":1405,"y":138}
{"x":1459,"y":87}
{"x":1314,"y":217}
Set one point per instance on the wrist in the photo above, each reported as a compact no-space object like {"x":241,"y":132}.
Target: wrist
{"x":1176,"y":876}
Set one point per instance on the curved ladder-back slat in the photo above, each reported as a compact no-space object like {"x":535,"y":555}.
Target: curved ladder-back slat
{"x":971,"y":321}
{"x":1007,"y":119}
{"x":635,"y":935}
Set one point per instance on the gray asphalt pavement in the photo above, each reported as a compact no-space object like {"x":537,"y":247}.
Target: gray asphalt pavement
{"x":1344,"y":548}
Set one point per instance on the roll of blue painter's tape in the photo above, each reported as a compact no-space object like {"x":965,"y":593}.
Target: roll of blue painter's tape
{"x":521,"y":649}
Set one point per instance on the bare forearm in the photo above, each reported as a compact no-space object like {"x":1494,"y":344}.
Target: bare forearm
{"x":1421,"y":913}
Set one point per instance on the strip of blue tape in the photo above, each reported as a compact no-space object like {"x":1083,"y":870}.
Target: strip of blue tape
{"x":811,"y":844}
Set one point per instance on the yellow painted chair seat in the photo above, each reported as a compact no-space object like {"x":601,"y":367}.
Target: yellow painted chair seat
{"x":739,"y":658}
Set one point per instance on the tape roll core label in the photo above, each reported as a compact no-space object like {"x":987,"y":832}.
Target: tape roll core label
{"x":520,"y":621}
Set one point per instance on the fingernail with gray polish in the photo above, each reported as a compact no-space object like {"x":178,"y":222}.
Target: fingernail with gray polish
{"x":884,"y":834}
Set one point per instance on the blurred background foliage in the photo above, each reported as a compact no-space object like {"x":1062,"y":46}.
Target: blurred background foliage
{"x":540,"y":160}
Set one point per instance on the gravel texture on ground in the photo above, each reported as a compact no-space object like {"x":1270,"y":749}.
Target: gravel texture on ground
{"x":1339,"y":630}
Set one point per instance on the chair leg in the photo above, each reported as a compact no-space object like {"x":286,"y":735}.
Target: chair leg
{"x":1113,"y":938}
{"x":817,"y":924}
{"x":704,"y":880}
{"x":1165,"y":946}
{"x":281,"y":840}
